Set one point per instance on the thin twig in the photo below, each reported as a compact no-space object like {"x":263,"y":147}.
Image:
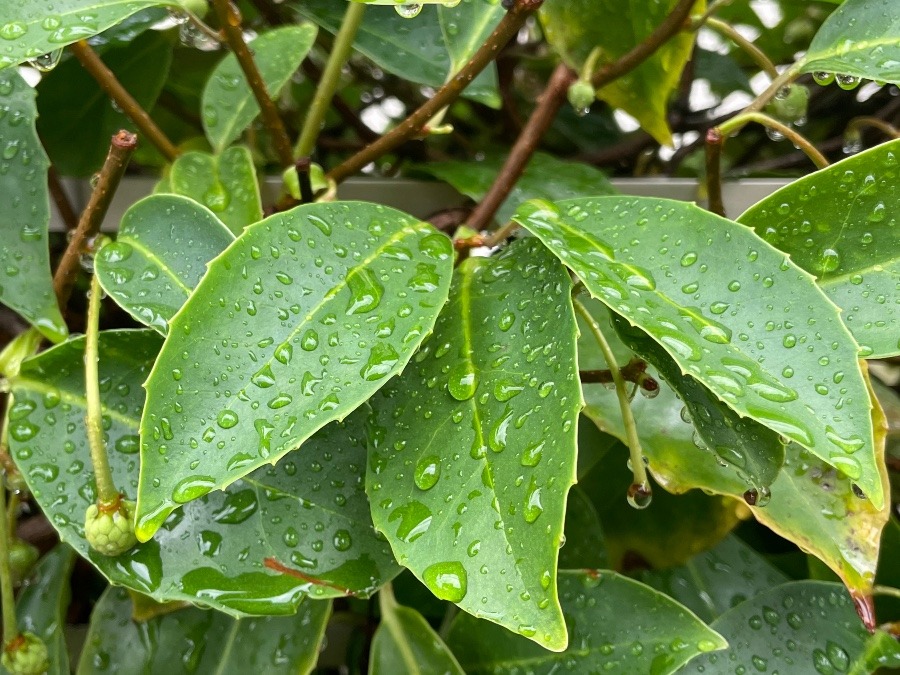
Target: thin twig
{"x":714,"y":142}
{"x":413,"y":125}
{"x":122,"y":146}
{"x":230,"y":21}
{"x":737,"y":122}
{"x":10,"y":626}
{"x":61,"y":200}
{"x":114,"y":89}
{"x":754,"y":52}
{"x":886,"y":128}
{"x":774,"y":87}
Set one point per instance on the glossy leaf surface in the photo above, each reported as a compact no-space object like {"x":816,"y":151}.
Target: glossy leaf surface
{"x":575,"y":27}
{"x":225,"y":183}
{"x":30,"y":29}
{"x":841,"y":224}
{"x":196,"y":641}
{"x":799,"y":627}
{"x":26,"y":285}
{"x":860,"y":40}
{"x":545,"y":177}
{"x":228,"y":104}
{"x":654,"y":635}
{"x":472,"y":450}
{"x":296,"y":324}
{"x":309,"y":515}
{"x":706,"y":289}
{"x":160,"y":254}
{"x":42,"y":605}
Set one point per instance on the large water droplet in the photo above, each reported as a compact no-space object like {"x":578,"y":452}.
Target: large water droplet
{"x":447,"y":580}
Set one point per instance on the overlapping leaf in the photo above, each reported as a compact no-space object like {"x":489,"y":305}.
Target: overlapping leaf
{"x":228,"y":104}
{"x":472,"y":450}
{"x":308,"y":517}
{"x":655,"y":634}
{"x":732,"y":311}
{"x":296,"y":324}
{"x":159,"y":255}
{"x":25,"y":285}
{"x":840,"y":224}
{"x":197,"y":641}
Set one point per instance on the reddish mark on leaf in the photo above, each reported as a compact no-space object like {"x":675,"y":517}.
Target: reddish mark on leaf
{"x":273,"y":564}
{"x":593,"y":574}
{"x":865,"y":607}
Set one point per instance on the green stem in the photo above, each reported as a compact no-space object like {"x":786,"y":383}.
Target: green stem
{"x":738,"y":122}
{"x":340,"y":52}
{"x":751,"y":49}
{"x":634,"y":442}
{"x":10,"y":626}
{"x":774,"y":87}
{"x":387,"y":603}
{"x":12,"y":513}
{"x":106,"y":488}
{"x":886,"y":590}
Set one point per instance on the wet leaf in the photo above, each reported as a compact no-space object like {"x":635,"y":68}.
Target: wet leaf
{"x":706,"y":289}
{"x":717,"y":580}
{"x":309,"y":516}
{"x":197,"y":641}
{"x":799,"y":627}
{"x":472,"y":450}
{"x":27,"y":286}
{"x":42,"y":605}
{"x":545,"y":177}
{"x":840,"y":224}
{"x":574,"y":28}
{"x":228,"y":104}
{"x":859,"y":39}
{"x":617,"y":625}
{"x":225,"y":183}
{"x":160,"y":254}
{"x":296,"y":324}
{"x":29,"y":29}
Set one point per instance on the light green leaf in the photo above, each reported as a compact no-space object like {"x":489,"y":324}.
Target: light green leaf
{"x":472,"y":450}
{"x":617,"y":625}
{"x":734,"y":313}
{"x":861,"y":38}
{"x":296,"y":324}
{"x":841,"y":224}
{"x":27,"y":286}
{"x":225,"y":183}
{"x":228,"y":104}
{"x":717,"y":580}
{"x":42,"y":605}
{"x":575,"y":27}
{"x":800,"y":627}
{"x":545,"y":177}
{"x":196,"y":641}
{"x":30,"y":29}
{"x":309,"y":517}
{"x":160,"y":254}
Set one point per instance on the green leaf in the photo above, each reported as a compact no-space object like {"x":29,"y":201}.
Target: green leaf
{"x":41,"y":608}
{"x":617,"y":625}
{"x":545,"y":177}
{"x":77,"y":117}
{"x":296,"y":324}
{"x":159,"y":256}
{"x":799,"y":627}
{"x":197,"y":641}
{"x":309,"y":516}
{"x":27,"y":286}
{"x":714,"y":581}
{"x":428,"y":49}
{"x":472,"y":450}
{"x":840,"y":224}
{"x":228,"y":104}
{"x":225,"y":183}
{"x":29,"y":29}
{"x":859,"y":39}
{"x":405,"y":643}
{"x":706,"y":288}
{"x":575,"y":27}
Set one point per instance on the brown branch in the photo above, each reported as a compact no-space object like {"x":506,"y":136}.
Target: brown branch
{"x":413,"y":125}
{"x":714,"y":143}
{"x":121,"y":147}
{"x":114,"y":89}
{"x":61,"y":200}
{"x":538,"y":123}
{"x":276,"y":566}
{"x":230,"y":20}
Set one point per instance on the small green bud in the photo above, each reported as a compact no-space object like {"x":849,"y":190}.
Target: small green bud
{"x":109,"y":528}
{"x":22,"y":557}
{"x":790,"y":104}
{"x":15,"y":482}
{"x":581,"y":96}
{"x":26,"y":654}
{"x":196,"y":7}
